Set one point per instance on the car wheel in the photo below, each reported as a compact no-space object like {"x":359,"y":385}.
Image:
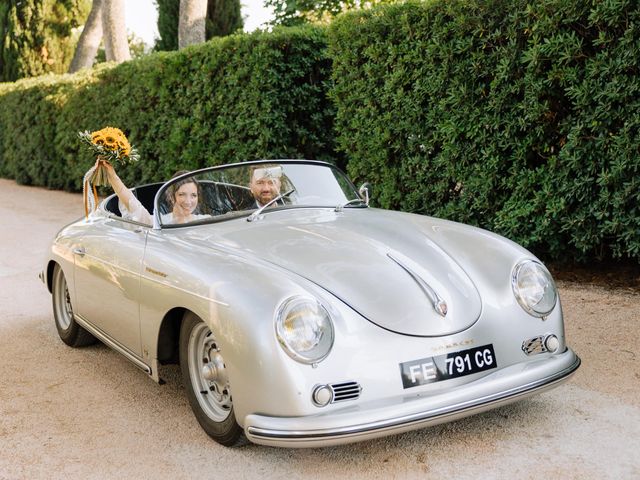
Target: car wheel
{"x":205,"y":378}
{"x":70,"y":332}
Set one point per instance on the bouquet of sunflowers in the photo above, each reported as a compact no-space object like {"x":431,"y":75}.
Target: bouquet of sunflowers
{"x":109,"y":145}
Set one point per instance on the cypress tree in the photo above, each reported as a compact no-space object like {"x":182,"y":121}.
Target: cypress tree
{"x":5,"y":36}
{"x":168,"y":15}
{"x":223,"y":18}
{"x":37,"y":36}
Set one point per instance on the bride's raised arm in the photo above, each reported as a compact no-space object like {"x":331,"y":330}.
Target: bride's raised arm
{"x":133,"y":209}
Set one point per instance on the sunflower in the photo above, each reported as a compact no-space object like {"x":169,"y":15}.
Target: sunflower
{"x":124,"y":146}
{"x":110,"y":144}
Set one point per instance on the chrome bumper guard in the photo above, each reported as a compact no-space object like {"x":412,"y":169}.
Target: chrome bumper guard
{"x":303,"y":432}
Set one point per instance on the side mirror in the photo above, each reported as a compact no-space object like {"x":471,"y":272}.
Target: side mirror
{"x":364,"y":192}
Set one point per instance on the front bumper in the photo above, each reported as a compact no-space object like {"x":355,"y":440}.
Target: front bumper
{"x":357,"y":423}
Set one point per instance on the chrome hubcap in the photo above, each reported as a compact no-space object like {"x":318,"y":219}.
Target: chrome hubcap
{"x":64,"y":310}
{"x":209,"y":374}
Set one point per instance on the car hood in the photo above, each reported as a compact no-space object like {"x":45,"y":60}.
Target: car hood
{"x":385,"y":265}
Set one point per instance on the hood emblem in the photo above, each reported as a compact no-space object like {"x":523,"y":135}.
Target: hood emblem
{"x":439,"y":305}
{"x":441,"y":308}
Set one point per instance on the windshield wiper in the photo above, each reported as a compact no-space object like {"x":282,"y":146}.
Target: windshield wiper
{"x":350,"y":202}
{"x":256,"y":214}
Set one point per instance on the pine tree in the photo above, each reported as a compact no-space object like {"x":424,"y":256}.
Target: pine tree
{"x":38,"y":36}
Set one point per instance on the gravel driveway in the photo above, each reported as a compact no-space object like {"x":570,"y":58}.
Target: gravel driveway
{"x":88,"y":413}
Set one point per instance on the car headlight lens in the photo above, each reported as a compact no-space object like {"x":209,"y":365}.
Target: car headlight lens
{"x":534,"y":288}
{"x":304,"y":329}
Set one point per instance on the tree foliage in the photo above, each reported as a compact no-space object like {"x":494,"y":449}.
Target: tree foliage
{"x":37,"y":36}
{"x":298,"y":12}
{"x":168,"y":16}
{"x":224,"y":17}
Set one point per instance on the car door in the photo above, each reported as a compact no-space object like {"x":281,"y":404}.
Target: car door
{"x":108,"y":260}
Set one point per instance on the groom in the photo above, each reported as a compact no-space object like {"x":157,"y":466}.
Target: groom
{"x":265,"y":183}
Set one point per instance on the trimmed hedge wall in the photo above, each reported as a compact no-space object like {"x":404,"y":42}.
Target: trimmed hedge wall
{"x":233,"y":99}
{"x":520,"y":117}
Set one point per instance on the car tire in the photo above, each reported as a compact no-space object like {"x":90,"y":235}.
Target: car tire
{"x":205,"y":379}
{"x":70,"y":332}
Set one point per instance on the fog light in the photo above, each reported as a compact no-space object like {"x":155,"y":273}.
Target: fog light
{"x":322,"y":395}
{"x":552,"y":343}
{"x":541,"y":344}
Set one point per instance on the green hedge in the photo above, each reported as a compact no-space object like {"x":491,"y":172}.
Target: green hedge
{"x":521,"y":117}
{"x":238,"y":98}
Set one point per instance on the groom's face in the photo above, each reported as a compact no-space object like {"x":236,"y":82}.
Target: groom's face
{"x":264,"y":186}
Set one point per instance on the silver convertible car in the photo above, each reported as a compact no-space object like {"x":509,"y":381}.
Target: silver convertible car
{"x":310,"y":319}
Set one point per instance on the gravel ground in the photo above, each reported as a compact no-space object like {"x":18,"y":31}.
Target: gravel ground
{"x":88,"y":413}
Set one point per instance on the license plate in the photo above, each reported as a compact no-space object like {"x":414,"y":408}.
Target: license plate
{"x":450,"y":365}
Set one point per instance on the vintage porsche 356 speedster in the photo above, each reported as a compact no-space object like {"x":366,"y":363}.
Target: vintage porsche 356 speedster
{"x":313,"y":319}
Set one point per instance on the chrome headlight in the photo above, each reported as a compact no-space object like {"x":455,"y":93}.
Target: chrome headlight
{"x":534,"y":288}
{"x":304,"y":329}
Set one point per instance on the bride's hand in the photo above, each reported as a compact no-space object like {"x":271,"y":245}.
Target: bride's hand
{"x":106,"y":165}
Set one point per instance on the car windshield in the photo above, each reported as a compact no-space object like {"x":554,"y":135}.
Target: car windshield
{"x":221,"y":193}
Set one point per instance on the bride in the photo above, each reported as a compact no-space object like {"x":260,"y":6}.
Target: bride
{"x":182,"y":195}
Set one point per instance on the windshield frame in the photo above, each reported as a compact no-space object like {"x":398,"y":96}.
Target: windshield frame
{"x":158,"y":225}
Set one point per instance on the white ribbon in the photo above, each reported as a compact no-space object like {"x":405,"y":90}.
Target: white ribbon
{"x":88,"y":193}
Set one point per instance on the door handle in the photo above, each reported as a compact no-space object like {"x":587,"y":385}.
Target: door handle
{"x":79,"y":251}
